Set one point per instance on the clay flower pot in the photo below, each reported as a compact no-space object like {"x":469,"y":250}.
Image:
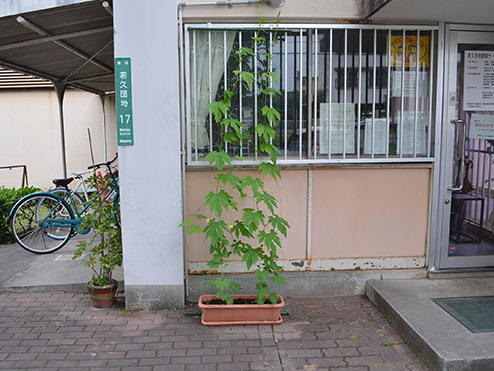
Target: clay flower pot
{"x":240,"y":314}
{"x":102,"y":296}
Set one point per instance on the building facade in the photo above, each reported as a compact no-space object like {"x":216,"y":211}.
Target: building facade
{"x":385,"y":120}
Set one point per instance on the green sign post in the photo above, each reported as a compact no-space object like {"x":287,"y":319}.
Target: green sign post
{"x":123,"y":92}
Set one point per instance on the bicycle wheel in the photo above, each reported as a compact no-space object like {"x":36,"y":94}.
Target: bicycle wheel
{"x":62,"y":193}
{"x":30,"y":228}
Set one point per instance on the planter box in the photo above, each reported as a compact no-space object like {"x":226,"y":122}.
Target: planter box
{"x":240,"y":314}
{"x":102,"y":296}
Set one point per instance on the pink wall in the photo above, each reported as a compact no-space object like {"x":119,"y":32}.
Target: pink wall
{"x":370,"y":212}
{"x":356,"y":212}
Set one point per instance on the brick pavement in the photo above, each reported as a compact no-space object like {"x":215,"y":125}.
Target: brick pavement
{"x":61,"y":331}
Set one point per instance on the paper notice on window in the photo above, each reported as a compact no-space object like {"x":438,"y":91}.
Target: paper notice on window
{"x":375,"y":136}
{"x":481,"y":127}
{"x":410,"y":135}
{"x":478,"y":86}
{"x":335,"y":128}
{"x":412,"y":87}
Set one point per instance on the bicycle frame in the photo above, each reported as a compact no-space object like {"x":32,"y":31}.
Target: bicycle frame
{"x":111,"y":196}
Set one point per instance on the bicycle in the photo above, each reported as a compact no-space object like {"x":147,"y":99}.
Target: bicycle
{"x":76,"y":192}
{"x":43,"y":222}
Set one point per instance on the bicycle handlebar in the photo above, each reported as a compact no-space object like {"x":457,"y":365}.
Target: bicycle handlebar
{"x":97,"y":166}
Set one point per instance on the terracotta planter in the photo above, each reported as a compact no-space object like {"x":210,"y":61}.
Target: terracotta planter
{"x":240,"y":314}
{"x":102,"y":296}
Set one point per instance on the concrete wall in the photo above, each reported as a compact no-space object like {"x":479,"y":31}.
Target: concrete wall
{"x":360,"y":218}
{"x":31,"y":136}
{"x":150,"y":170}
{"x":320,"y":11}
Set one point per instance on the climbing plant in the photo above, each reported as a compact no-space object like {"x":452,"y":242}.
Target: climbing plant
{"x":251,"y":232}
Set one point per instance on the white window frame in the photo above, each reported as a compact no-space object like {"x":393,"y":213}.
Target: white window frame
{"x":194,"y":159}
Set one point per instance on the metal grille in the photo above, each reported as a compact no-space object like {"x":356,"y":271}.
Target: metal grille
{"x":349,"y":93}
{"x":15,"y":80}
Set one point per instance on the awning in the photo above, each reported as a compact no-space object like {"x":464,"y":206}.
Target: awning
{"x":430,"y":11}
{"x":70,"y":45}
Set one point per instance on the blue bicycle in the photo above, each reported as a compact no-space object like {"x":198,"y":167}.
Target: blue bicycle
{"x":43,"y":222}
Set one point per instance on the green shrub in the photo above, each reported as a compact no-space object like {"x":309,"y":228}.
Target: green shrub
{"x":8,"y":198}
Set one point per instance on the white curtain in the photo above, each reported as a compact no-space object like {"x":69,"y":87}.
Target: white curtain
{"x":208,"y":66}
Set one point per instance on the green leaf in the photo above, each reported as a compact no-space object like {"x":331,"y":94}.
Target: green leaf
{"x":271,"y":239}
{"x":262,"y":292}
{"x":229,"y":178}
{"x":185,"y":223}
{"x":273,"y":75}
{"x":246,"y":76}
{"x":226,"y":297}
{"x":254,"y":183}
{"x":250,"y":257}
{"x":219,"y":110}
{"x":266,"y":198}
{"x":220,"y":158}
{"x":279,"y":223}
{"x":271,"y":113}
{"x":278,"y":280}
{"x":269,"y":168}
{"x":244,"y":51}
{"x":269,"y":91}
{"x":215,"y":232}
{"x":265,"y":131}
{"x":219,"y":282}
{"x":218,"y":202}
{"x":252,"y":219}
{"x":194,"y":229}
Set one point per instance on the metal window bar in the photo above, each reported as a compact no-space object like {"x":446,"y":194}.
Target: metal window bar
{"x":240,"y":100}
{"x":415,"y":122}
{"x":417,"y":155}
{"x":402,"y":109}
{"x":345,"y":85}
{"x":316,"y":72}
{"x":225,"y":77}
{"x":286,"y":94}
{"x":330,"y":122}
{"x":300,"y":108}
{"x":255,"y":99}
{"x":196,"y":130}
{"x":388,"y":101}
{"x":431,"y":85}
{"x":189,"y":101}
{"x":210,"y":95}
{"x":271,"y":79}
{"x":374,"y":74}
{"x":359,"y":108}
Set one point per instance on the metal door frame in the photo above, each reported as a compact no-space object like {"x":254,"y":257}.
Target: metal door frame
{"x":450,"y":35}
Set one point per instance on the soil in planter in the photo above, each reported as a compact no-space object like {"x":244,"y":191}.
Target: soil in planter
{"x":236,"y":301}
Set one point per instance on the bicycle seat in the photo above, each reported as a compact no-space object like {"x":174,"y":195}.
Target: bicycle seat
{"x":62,"y":182}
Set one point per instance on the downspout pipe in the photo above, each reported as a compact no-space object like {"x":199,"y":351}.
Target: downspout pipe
{"x":181,"y":57}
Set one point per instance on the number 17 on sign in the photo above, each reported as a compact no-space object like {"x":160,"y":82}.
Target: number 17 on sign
{"x":123,"y":92}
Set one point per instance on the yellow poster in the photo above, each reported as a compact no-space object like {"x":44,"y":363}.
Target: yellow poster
{"x":409,"y":51}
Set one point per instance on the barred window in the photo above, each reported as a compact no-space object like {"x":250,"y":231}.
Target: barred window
{"x":348,"y":93}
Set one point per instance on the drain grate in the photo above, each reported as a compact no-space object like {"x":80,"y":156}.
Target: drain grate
{"x":475,"y":313}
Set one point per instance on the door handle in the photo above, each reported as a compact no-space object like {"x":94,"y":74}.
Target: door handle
{"x":462,"y":155}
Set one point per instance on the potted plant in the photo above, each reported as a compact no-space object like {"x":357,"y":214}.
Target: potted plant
{"x":102,"y":253}
{"x":252,"y":231}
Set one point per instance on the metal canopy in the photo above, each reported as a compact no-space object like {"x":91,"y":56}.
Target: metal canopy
{"x":70,"y":45}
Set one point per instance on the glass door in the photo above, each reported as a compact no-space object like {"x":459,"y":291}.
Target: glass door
{"x":467,"y":169}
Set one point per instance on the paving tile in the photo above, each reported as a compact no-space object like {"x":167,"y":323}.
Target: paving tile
{"x":57,"y":331}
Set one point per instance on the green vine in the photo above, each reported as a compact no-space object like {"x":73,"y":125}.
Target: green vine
{"x":256,"y":235}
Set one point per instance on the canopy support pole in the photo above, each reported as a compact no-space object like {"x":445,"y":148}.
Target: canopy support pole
{"x":60,"y":90}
